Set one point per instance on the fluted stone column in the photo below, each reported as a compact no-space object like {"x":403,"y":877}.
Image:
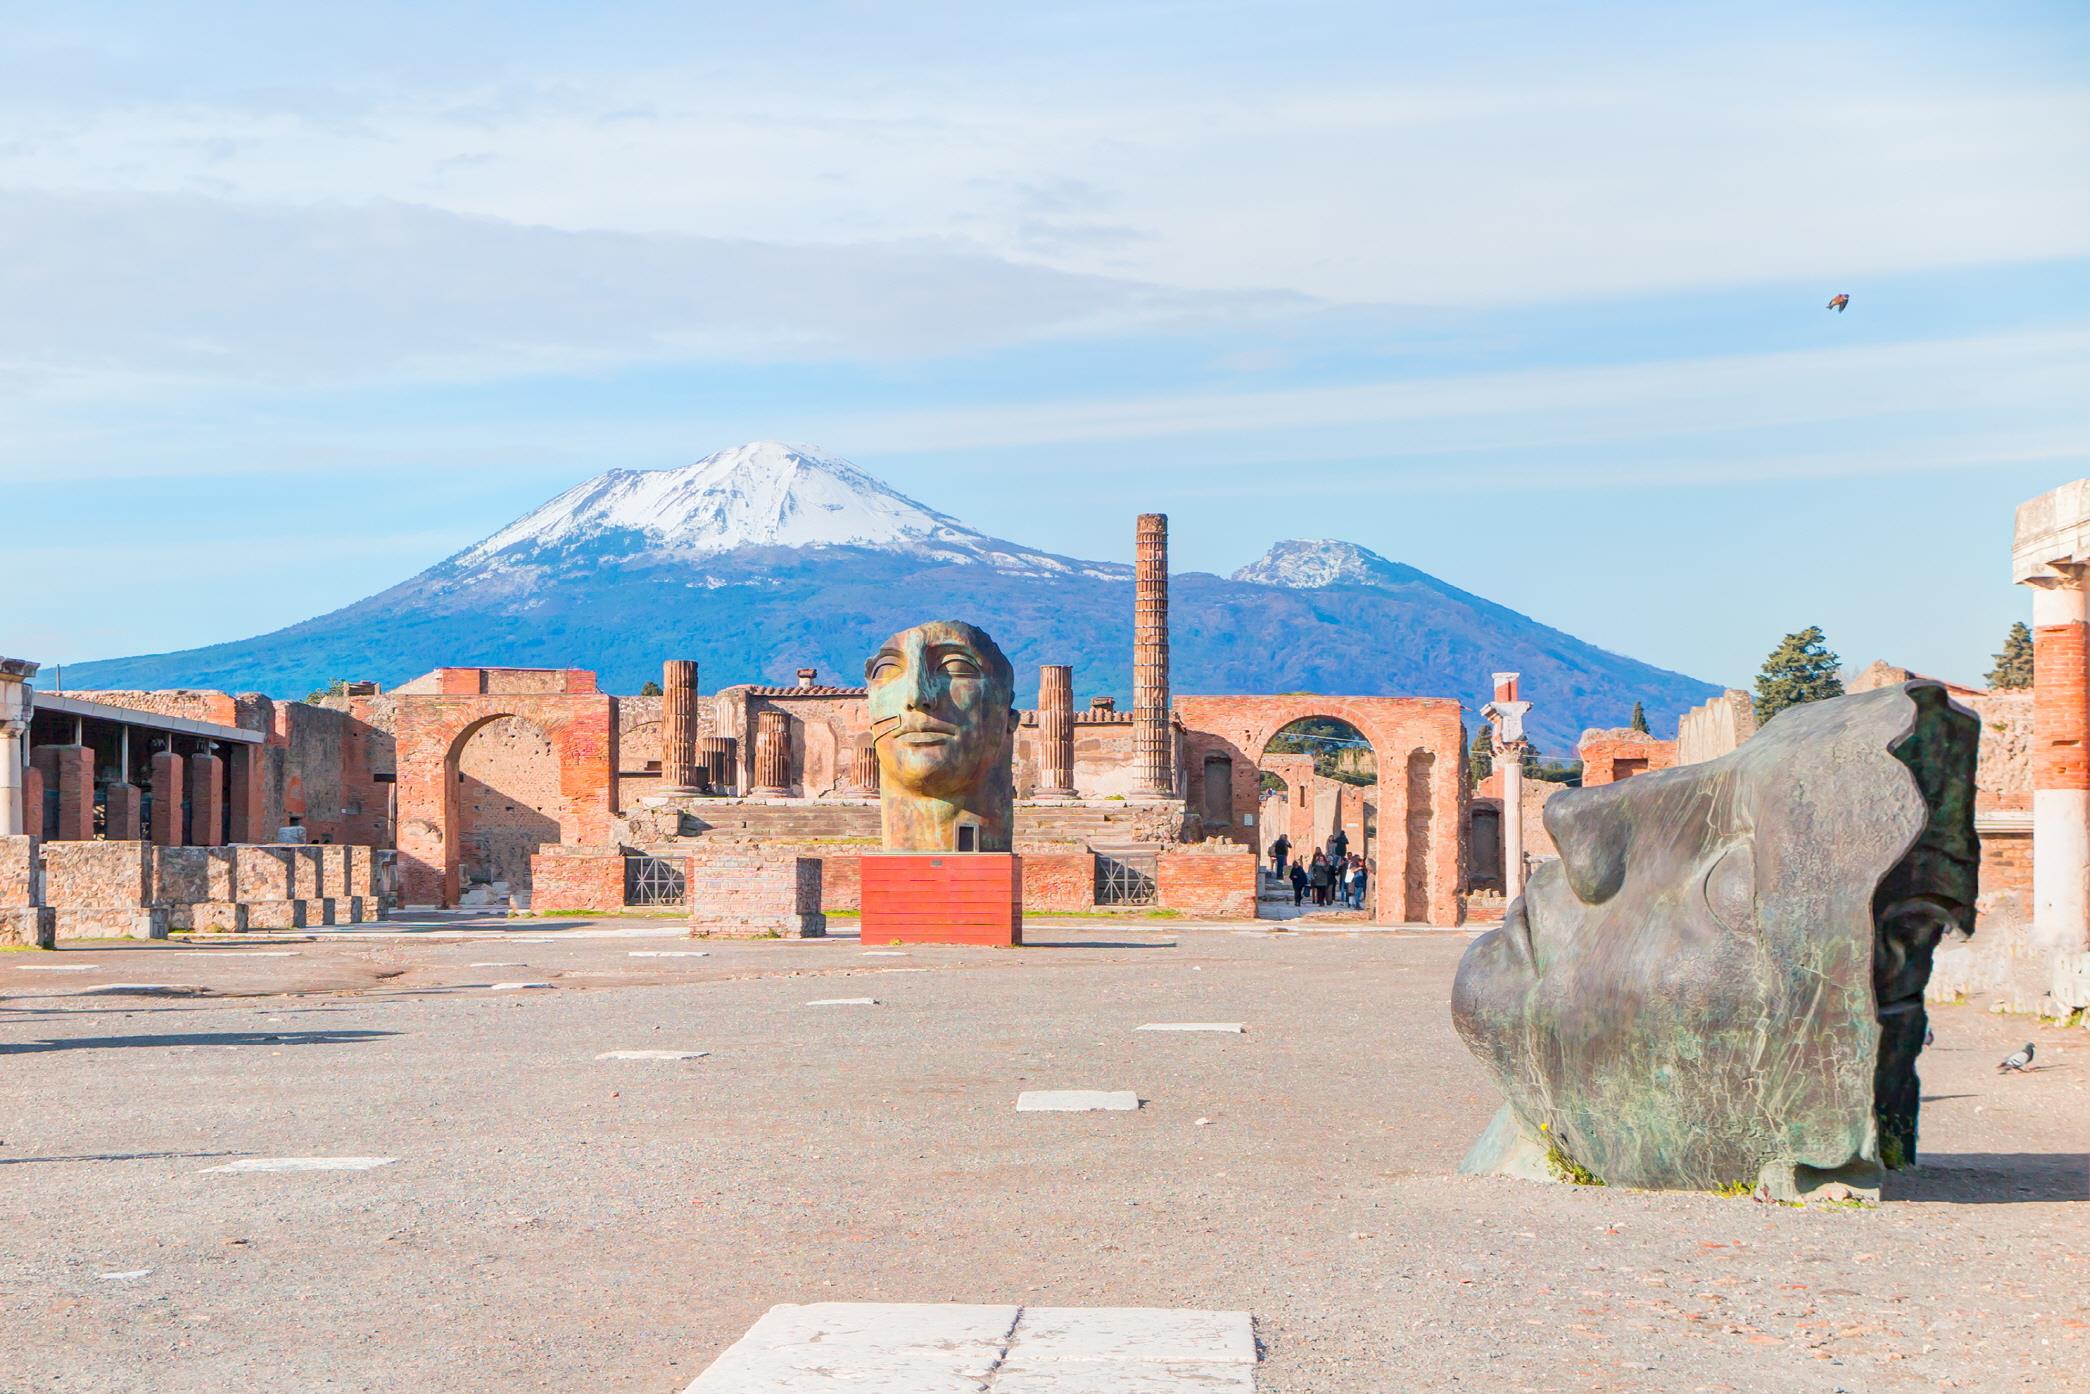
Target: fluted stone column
{"x":864,"y":766}
{"x":1055,"y":731}
{"x":1506,"y":715}
{"x":16,"y":697}
{"x":720,"y":755}
{"x":772,"y":753}
{"x":680,"y":772}
{"x":1153,"y":753}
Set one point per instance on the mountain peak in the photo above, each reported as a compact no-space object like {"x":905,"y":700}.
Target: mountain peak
{"x":762,"y":494}
{"x":1314,"y":563}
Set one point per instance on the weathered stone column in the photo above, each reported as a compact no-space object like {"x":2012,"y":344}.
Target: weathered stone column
{"x":1506,"y":715}
{"x":120,"y":815}
{"x":772,"y":753}
{"x":1055,"y":731}
{"x":720,"y":759}
{"x":2050,"y":554}
{"x":166,"y":799}
{"x":1153,"y":753}
{"x":680,"y":773}
{"x":70,"y":770}
{"x":864,"y":766}
{"x":206,"y":780}
{"x":16,"y":699}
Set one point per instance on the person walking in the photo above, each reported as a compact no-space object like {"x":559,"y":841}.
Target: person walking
{"x":1279,"y":850}
{"x":1298,"y":882}
{"x":1357,"y":878}
{"x":1318,"y":877}
{"x":1339,"y":848}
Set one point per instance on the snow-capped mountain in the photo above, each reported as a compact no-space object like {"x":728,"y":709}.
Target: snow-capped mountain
{"x":1316,"y":565}
{"x":764,"y":494}
{"x":766,"y":558}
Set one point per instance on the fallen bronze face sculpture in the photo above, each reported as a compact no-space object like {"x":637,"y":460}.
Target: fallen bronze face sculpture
{"x":1721,"y":980}
{"x":943,"y":721}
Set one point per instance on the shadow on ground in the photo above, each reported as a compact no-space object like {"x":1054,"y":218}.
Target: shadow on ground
{"x":1993,"y":1178}
{"x":196,"y":1038}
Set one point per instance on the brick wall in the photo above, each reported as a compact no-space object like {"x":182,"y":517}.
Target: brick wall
{"x":2006,"y":864}
{"x":1608,"y":756}
{"x":577,"y":878}
{"x":70,"y":770}
{"x":1207,"y":884}
{"x":754,"y":892}
{"x":1059,"y":880}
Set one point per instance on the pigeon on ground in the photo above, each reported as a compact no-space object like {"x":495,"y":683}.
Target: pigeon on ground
{"x":1839,"y":304}
{"x":1930,"y":1037}
{"x":2018,"y":1063}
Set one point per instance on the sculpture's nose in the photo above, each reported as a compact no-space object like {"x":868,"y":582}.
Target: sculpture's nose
{"x":921,"y":687}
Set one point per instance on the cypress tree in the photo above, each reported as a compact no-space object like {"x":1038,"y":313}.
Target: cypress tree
{"x":1639,"y":721}
{"x":1480,"y":756}
{"x":1801,"y":669}
{"x":2014,"y":664}
{"x":651,"y":689}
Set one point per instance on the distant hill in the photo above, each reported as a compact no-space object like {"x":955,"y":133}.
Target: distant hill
{"x":767,"y":558}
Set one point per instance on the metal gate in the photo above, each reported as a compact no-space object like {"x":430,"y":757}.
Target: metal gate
{"x":653,"y":881}
{"x":1125,"y":878}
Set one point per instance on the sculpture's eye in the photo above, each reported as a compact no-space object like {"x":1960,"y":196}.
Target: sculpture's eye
{"x":885,"y":668}
{"x":959,"y":666}
{"x":1730,"y":888}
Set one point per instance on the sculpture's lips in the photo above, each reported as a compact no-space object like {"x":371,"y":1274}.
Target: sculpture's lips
{"x":927,"y":735}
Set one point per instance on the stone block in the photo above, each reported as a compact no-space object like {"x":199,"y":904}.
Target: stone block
{"x":754,"y":893}
{"x":307,"y":871}
{"x":208,"y":916}
{"x":577,"y":878}
{"x":111,"y":923}
{"x":275,"y":914}
{"x":18,"y":865}
{"x":1077,"y":1101}
{"x":122,"y":813}
{"x":97,"y":875}
{"x":190,"y":874}
{"x":28,"y":925}
{"x":262,"y":873}
{"x":1063,"y":881}
{"x":1207,"y":884}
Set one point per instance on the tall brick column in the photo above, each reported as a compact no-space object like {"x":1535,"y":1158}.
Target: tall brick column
{"x":33,"y":802}
{"x":1153,"y":755}
{"x":70,"y":770}
{"x":249,"y":806}
{"x":1056,"y":731}
{"x":166,"y":799}
{"x":772,"y":753}
{"x":206,"y":781}
{"x":120,"y":812}
{"x":2050,"y":553}
{"x":680,"y":772}
{"x":721,"y":754}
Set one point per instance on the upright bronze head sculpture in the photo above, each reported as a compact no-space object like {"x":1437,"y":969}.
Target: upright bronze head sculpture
{"x":1721,"y":980}
{"x":943,"y":719}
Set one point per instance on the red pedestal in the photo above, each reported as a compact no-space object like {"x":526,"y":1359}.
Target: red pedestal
{"x":942,"y":898}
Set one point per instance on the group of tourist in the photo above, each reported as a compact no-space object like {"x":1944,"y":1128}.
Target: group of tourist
{"x":1331,"y":876}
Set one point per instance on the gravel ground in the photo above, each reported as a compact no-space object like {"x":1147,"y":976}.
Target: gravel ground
{"x":555,"y":1222}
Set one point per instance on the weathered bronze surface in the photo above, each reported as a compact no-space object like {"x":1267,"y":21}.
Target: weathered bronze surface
{"x":943,"y":718}
{"x":1721,"y":980}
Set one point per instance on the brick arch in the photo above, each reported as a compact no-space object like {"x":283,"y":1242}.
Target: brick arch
{"x":431,"y":732}
{"x":1410,"y":882}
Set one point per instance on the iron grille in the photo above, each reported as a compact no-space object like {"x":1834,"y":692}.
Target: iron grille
{"x":1124,"y":879}
{"x":653,"y":881}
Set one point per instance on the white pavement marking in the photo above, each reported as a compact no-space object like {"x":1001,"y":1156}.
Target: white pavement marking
{"x":300,"y":1164}
{"x":1233,"y":1026}
{"x":129,"y":1276}
{"x":504,"y":963}
{"x":668,"y":953}
{"x":1076,"y":1101}
{"x":885,"y":953}
{"x":844,"y":1002}
{"x":57,"y":967}
{"x":653,"y":1055}
{"x":954,"y":1348}
{"x":251,"y":953}
{"x":515,"y":987}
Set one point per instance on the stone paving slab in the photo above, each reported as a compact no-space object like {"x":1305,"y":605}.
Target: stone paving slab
{"x":1234,"y":1027}
{"x":653,"y":1055}
{"x":1076,"y":1101}
{"x":963,"y":1348}
{"x":254,"y":1164}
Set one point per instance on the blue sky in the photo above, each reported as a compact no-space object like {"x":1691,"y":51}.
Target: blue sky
{"x":298,"y":301}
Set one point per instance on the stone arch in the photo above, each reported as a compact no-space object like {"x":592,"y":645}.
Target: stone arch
{"x":1396,"y":728}
{"x":502,"y":786}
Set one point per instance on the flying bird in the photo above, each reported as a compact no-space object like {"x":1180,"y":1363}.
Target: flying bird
{"x":2018,"y":1063}
{"x":1839,"y":304}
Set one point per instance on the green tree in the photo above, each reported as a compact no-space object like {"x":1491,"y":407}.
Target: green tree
{"x":1480,"y":757}
{"x":338,"y":687}
{"x":2014,"y":664}
{"x":1639,"y":721}
{"x":651,"y":689}
{"x":1801,"y":669}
